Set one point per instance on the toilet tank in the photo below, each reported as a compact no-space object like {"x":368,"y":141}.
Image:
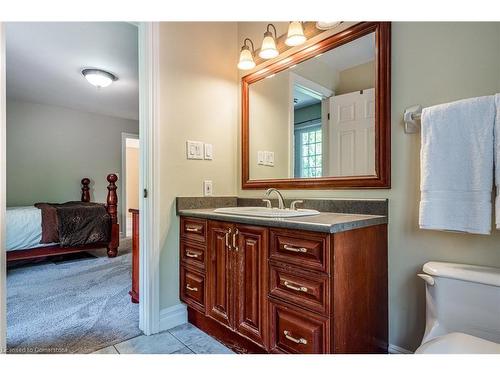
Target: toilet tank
{"x":462,"y":298}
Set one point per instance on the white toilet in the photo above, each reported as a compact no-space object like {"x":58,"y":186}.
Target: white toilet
{"x":463,"y":309}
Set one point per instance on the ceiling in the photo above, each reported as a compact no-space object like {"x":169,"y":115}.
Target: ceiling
{"x":45,"y":59}
{"x":301,"y":99}
{"x":346,"y":56}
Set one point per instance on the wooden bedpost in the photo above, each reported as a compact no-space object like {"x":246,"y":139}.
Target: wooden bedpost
{"x":112,"y":207}
{"x":85,"y":190}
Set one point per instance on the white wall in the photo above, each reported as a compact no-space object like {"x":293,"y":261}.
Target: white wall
{"x":50,"y":149}
{"x":431,"y":63}
{"x":198,"y":92}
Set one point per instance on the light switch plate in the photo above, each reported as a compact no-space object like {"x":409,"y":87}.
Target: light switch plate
{"x":260,"y":157}
{"x":270,"y":158}
{"x":207,"y":188}
{"x":194,"y":150}
{"x":208,"y":151}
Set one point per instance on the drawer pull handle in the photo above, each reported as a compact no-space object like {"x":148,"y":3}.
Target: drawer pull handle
{"x":193,"y":229}
{"x":295,"y":249}
{"x":297,"y":341}
{"x":193,"y":289}
{"x":227,"y":238}
{"x":235,"y":245}
{"x":189,"y":254}
{"x":297,"y":288}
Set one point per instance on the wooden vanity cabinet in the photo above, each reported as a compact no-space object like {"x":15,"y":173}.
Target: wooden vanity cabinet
{"x":237,"y":279}
{"x":273,"y":290}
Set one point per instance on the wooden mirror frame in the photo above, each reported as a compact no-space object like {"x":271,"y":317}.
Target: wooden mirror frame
{"x":382,"y":177}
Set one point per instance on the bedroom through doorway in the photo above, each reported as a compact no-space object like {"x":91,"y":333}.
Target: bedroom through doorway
{"x":72,"y":93}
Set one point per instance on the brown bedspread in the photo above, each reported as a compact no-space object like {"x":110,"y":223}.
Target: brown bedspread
{"x":74,"y":223}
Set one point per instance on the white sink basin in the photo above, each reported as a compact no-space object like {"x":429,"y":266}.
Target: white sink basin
{"x":265,"y":212}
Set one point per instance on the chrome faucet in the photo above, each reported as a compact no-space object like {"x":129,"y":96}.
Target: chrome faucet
{"x":281,"y":201}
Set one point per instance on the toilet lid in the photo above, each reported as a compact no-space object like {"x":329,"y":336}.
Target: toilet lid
{"x":458,"y":343}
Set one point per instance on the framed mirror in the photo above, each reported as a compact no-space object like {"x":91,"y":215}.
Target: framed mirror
{"x":320,"y":118}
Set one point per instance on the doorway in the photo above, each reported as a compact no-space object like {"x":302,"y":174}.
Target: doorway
{"x":130,"y":179}
{"x":149,"y":309}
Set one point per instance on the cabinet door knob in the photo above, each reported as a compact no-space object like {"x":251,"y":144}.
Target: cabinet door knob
{"x":235,"y":245}
{"x":189,"y":254}
{"x":297,"y":288}
{"x":194,"y":289}
{"x":295,"y":249}
{"x":293,"y":339}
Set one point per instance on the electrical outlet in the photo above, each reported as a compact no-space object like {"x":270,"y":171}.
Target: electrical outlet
{"x":207,"y":188}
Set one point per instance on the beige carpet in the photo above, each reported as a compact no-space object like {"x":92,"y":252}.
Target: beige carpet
{"x":77,"y":306}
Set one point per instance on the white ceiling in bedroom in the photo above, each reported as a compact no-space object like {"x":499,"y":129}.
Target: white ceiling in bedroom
{"x":45,"y":59}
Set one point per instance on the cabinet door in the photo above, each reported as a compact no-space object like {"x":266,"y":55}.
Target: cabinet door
{"x":251,"y":273}
{"x":219,"y":271}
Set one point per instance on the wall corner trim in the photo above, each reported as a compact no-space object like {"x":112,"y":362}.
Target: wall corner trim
{"x":173,"y":316}
{"x":394,"y":349}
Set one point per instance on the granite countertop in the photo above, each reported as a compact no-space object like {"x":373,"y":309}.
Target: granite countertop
{"x":327,"y":222}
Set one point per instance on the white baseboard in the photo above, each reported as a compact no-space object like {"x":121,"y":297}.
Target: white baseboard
{"x":393,"y":349}
{"x":173,"y":316}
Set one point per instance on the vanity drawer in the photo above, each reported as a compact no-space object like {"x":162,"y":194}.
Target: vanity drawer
{"x":194,"y":229}
{"x":304,"y":249}
{"x":297,"y":331}
{"x":193,"y":254}
{"x":308,"y":290}
{"x":192,"y":285}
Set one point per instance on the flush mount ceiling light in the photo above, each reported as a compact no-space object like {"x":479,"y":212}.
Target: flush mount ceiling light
{"x":99,"y":78}
{"x":295,"y":36}
{"x":268,"y":49}
{"x":327,"y":25}
{"x":246,"y":56}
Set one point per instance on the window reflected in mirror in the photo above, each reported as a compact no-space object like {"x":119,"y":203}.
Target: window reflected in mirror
{"x":316,"y":118}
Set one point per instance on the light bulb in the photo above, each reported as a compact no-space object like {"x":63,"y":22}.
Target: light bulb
{"x":246,"y":59}
{"x":295,"y":36}
{"x":268,"y":49}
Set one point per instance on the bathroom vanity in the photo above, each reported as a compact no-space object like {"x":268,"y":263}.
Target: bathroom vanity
{"x":303,"y":284}
{"x":313,"y":284}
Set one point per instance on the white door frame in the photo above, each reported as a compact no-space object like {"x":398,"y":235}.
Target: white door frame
{"x":123,"y":180}
{"x":149,"y":207}
{"x":3,"y":202}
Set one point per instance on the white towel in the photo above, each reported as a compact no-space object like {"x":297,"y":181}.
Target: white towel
{"x":497,"y":160}
{"x":457,"y":166}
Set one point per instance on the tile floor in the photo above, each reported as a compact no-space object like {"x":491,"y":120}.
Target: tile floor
{"x":183,"y":339}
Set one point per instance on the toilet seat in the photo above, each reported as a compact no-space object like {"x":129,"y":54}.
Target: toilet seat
{"x":458,"y":343}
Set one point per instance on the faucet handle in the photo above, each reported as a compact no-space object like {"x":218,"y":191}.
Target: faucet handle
{"x":294,"y":203}
{"x":268,"y":203}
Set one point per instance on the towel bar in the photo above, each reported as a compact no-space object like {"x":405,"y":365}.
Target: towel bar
{"x":411,"y":119}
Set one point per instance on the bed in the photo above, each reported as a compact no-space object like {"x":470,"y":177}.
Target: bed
{"x":24,"y":229}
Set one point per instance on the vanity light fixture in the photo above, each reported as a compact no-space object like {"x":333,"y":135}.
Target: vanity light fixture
{"x":98,"y":77}
{"x":295,"y":35}
{"x":246,"y":56}
{"x":327,"y":25}
{"x":268,"y":49}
